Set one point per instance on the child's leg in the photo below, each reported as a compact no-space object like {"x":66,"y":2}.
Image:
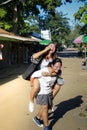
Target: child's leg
{"x":33,"y":93}
{"x":43,"y":115}
{"x":34,"y":89}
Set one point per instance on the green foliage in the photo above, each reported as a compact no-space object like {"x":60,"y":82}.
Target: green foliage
{"x":14,"y":14}
{"x":3,"y":22}
{"x":74,"y":33}
{"x":83,"y":29}
{"x":58,"y":26}
{"x":3,"y":12}
{"x":84,"y":19}
{"x":81,"y":15}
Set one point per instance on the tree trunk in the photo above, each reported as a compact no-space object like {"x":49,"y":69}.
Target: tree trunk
{"x":15,"y":17}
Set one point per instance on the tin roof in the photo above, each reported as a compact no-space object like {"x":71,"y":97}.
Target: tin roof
{"x":5,"y":35}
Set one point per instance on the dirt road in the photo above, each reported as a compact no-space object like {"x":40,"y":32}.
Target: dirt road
{"x":70,"y":104}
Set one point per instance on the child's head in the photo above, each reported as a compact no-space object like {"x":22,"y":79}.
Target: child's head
{"x":52,"y":47}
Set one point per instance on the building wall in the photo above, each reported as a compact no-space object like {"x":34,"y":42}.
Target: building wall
{"x":12,"y":54}
{"x":17,"y":53}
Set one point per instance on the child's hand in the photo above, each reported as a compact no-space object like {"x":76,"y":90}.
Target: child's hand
{"x":47,"y":48}
{"x":46,"y":74}
{"x":53,"y":74}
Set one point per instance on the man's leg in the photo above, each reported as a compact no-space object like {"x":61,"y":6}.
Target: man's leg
{"x":45,"y":115}
{"x":38,"y":118}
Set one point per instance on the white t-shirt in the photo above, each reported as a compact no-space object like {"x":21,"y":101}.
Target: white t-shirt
{"x":46,"y":82}
{"x":45,"y":62}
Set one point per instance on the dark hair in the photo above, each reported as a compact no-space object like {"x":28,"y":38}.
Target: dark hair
{"x":55,"y":61}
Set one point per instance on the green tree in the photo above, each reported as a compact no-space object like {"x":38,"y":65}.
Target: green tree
{"x":59,"y":27}
{"x":3,"y":23}
{"x":16,"y":12}
{"x":74,"y":33}
{"x":81,"y":15}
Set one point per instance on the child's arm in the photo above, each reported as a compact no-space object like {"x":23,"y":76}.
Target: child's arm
{"x":48,"y":74}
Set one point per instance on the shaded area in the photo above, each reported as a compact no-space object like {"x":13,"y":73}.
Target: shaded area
{"x":10,"y":73}
{"x":68,"y":53}
{"x":64,"y":107}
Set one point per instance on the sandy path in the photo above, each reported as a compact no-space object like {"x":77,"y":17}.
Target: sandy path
{"x":70,"y":104}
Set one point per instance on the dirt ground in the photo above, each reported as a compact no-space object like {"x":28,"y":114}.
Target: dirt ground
{"x":70,"y":103}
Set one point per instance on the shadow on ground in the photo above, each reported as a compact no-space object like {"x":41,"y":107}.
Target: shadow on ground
{"x":64,"y":107}
{"x":11,"y":73}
